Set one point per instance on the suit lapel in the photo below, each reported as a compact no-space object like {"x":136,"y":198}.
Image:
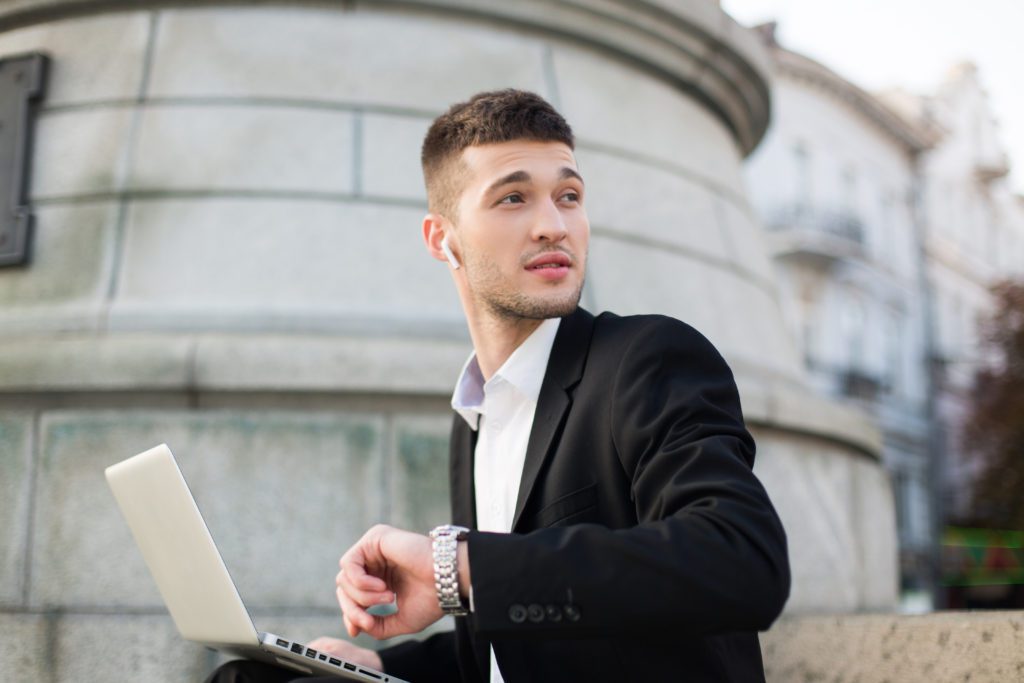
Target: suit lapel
{"x":565,"y":368}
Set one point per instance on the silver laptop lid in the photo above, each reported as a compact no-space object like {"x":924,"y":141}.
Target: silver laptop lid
{"x":179,"y":551}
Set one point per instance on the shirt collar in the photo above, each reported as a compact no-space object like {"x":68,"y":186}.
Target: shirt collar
{"x":524,"y":370}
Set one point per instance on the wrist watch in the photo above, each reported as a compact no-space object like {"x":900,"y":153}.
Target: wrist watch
{"x":446,"y":571}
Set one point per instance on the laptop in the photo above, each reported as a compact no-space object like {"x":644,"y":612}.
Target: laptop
{"x":191,"y":576}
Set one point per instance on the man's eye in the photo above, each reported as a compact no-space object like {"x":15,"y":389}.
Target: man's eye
{"x":511,"y":199}
{"x":571,"y":196}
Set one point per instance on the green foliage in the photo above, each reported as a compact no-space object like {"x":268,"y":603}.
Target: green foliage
{"x":994,"y":432}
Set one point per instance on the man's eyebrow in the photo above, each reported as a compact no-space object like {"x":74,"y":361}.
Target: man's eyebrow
{"x":513,"y":177}
{"x":524,"y":177}
{"x":569,"y":173}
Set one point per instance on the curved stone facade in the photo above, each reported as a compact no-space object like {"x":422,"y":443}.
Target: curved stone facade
{"x":227,"y":259}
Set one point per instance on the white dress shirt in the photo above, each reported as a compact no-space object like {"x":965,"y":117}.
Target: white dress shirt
{"x":501,"y":410}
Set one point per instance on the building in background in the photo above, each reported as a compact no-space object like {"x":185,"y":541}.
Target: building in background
{"x":974,"y":237}
{"x":888,"y":218}
{"x":226,"y":258}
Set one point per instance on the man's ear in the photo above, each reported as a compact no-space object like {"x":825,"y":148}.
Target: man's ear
{"x":435,"y":227}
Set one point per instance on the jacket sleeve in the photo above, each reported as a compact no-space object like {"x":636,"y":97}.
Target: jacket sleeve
{"x":432,"y":660}
{"x":708,"y":554}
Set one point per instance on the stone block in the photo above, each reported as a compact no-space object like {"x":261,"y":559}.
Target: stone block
{"x":630,"y":278}
{"x":92,"y":59}
{"x":409,"y":362}
{"x":15,"y":497}
{"x":44,"y":320}
{"x":945,"y":647}
{"x":103,"y":363}
{"x":124,"y":647}
{"x":357,"y":363}
{"x":875,"y":514}
{"x":801,"y":410}
{"x":808,"y":482}
{"x":70,"y":260}
{"x":657,"y":205}
{"x":419,"y":472}
{"x":614,"y":105}
{"x":284,"y":494}
{"x":340,"y":56}
{"x":80,"y":152}
{"x":206,"y":261}
{"x":391,"y":156}
{"x":23,"y":648}
{"x":744,"y":239}
{"x":749,"y":311}
{"x":247,"y":148}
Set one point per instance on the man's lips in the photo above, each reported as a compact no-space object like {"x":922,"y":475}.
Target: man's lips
{"x":549,"y":260}
{"x":552,"y":266}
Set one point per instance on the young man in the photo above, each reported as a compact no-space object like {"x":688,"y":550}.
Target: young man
{"x":608,"y":524}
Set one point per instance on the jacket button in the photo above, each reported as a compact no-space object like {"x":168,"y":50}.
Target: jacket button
{"x":554,"y":614}
{"x":517,"y":613}
{"x":536,"y":613}
{"x":572,"y":612}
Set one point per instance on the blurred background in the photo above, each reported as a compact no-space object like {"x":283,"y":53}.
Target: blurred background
{"x":210,"y":238}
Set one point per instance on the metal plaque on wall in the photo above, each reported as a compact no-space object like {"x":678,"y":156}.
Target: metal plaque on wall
{"x":22,"y":84}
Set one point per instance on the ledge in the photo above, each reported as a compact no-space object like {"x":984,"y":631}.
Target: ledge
{"x":411,"y":362}
{"x":693,"y":45}
{"x":980,"y":647}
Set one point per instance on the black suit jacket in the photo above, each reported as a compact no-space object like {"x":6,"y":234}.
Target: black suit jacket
{"x":643,"y":547}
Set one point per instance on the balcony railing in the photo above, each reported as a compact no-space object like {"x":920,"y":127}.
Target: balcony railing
{"x":838,"y":222}
{"x":851,"y":380}
{"x":815,"y":231}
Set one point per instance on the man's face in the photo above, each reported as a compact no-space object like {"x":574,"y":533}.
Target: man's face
{"x":522,"y":229}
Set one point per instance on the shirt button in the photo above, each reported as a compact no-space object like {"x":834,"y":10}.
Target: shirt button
{"x":496,"y":426}
{"x":536,"y":613}
{"x":517,"y":613}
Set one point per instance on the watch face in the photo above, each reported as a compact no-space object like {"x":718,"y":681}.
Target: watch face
{"x":459,"y":532}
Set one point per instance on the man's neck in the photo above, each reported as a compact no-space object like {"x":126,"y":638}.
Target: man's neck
{"x":495,"y":339}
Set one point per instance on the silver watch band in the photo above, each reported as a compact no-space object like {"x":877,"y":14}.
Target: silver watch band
{"x":446,"y":572}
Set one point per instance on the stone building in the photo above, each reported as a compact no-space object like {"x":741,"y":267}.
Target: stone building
{"x":974,"y":237}
{"x":226,"y":258}
{"x":888,"y":218}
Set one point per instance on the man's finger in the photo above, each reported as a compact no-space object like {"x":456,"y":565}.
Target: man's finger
{"x":354,"y":613}
{"x":366,"y":598}
{"x":350,"y":628}
{"x":353,"y":566}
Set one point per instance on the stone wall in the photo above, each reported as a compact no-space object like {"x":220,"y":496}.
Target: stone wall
{"x":284,"y":493}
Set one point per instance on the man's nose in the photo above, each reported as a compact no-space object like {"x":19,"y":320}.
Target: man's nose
{"x":550,"y":223}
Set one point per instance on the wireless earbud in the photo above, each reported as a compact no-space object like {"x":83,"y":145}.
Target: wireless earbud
{"x":448,"y":252}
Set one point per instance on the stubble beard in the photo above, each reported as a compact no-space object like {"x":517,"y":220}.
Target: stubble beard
{"x":506,"y":303}
{"x":518,"y":306}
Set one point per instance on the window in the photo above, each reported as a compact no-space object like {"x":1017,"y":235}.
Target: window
{"x":802,"y":162}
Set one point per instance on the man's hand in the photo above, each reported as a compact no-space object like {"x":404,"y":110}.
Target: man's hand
{"x":349,"y":651}
{"x":385,"y":564}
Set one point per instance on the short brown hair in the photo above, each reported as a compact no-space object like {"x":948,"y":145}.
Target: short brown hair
{"x":486,"y":118}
